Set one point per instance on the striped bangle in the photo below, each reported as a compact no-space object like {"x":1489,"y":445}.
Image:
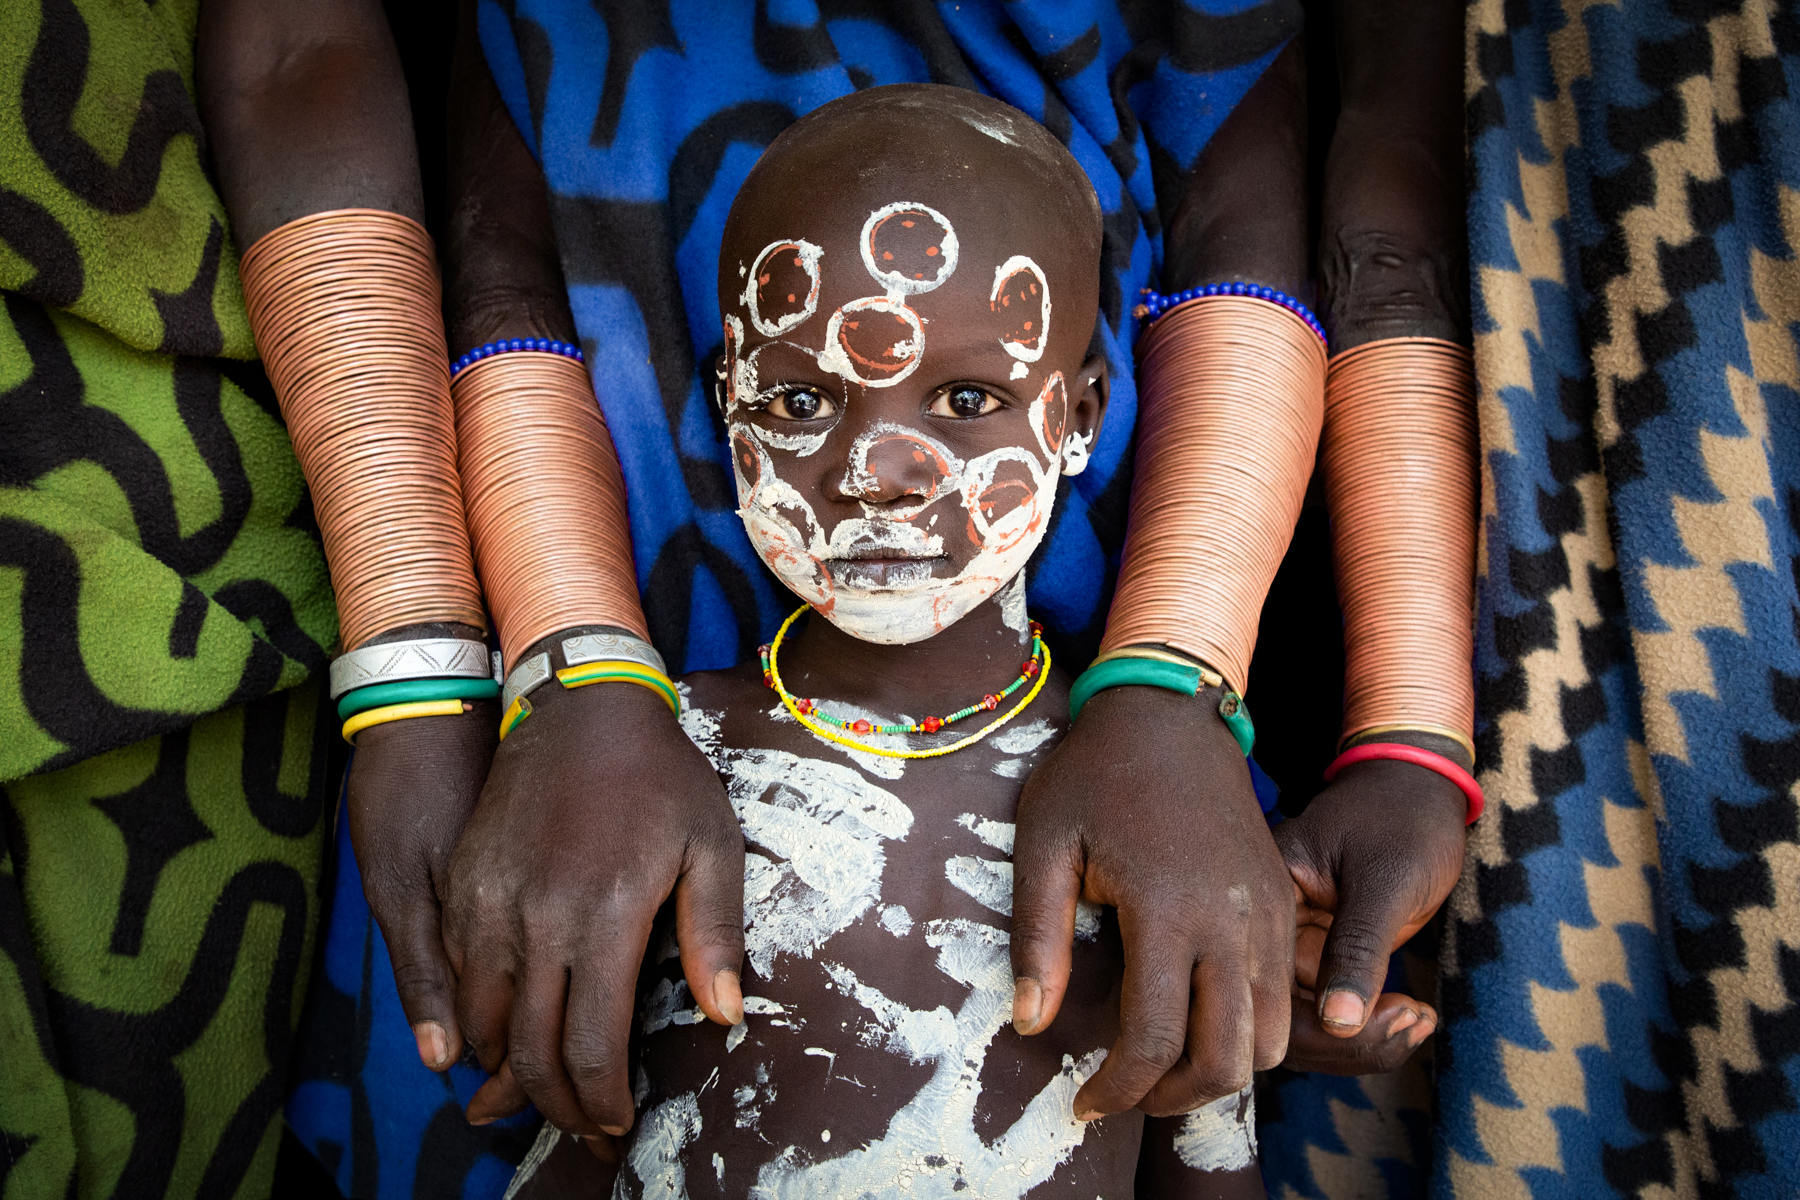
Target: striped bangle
{"x":1156,"y":303}
{"x":409,"y":691}
{"x":402,"y":712}
{"x":622,"y":672}
{"x":596,"y":672}
{"x":511,"y":345}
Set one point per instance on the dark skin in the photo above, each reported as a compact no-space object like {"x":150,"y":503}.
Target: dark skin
{"x":306,"y":111}
{"x":1378,"y":851}
{"x":1222,"y":187}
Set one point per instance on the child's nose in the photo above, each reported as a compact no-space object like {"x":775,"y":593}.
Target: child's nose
{"x":895,"y":465}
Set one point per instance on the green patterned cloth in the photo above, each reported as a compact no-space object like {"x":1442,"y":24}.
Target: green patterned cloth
{"x":164,"y":759}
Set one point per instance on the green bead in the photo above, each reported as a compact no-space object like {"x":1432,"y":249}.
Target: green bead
{"x":410,"y":691}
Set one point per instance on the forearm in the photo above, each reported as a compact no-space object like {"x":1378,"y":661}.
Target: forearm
{"x":546,"y":496}
{"x":1231,"y":390}
{"x":1400,"y":430}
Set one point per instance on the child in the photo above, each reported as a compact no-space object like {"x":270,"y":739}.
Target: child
{"x":909,"y":284}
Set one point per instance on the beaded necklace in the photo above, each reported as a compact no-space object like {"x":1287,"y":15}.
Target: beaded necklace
{"x":1036,"y":667}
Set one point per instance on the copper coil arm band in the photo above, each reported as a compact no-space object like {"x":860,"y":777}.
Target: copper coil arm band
{"x":546,"y":499}
{"x":1401,"y":483}
{"x":346,"y":312}
{"x":1230,"y":398}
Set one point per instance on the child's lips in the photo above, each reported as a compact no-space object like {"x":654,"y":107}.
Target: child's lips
{"x":883,"y":570}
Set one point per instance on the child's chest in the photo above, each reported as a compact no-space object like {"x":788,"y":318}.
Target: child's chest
{"x":877,"y":1052}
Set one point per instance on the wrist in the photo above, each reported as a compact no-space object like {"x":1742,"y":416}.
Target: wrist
{"x":1436,"y":743}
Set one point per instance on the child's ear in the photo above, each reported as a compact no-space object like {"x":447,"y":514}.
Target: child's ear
{"x":1088,"y":397}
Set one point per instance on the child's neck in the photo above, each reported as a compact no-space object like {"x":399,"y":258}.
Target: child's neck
{"x":979,"y":654}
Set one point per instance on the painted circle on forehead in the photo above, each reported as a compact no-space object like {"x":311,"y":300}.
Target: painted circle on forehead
{"x":1021,"y":296}
{"x":782,"y":288}
{"x":909,"y":248}
{"x":875,"y":341}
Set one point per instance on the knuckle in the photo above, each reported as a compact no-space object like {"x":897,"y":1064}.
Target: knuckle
{"x":1220,"y":1079}
{"x":588,"y":1053}
{"x":417,"y":980}
{"x":534,"y":1072}
{"x":1154,"y":1045}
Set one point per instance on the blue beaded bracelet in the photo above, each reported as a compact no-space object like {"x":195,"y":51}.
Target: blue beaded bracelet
{"x":1156,"y":304}
{"x":541,"y":345}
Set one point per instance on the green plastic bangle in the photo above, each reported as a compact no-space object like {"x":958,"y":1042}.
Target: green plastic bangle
{"x":407,"y":691}
{"x":1149,"y":672}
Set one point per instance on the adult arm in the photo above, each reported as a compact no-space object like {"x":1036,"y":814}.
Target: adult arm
{"x":598,"y":807}
{"x":1375,"y":854}
{"x":1147,"y":804}
{"x":306,"y":111}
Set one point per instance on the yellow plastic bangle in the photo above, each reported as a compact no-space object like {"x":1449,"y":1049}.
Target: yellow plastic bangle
{"x":622,"y":672}
{"x":401,"y":712}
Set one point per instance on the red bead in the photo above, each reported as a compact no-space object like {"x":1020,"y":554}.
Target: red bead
{"x":931,"y":724}
{"x":1036,"y":629}
{"x":768,"y":680}
{"x":990,"y":702}
{"x":804,"y":706}
{"x":862,"y":727}
{"x":1029,"y":667}
{"x":762,"y":651}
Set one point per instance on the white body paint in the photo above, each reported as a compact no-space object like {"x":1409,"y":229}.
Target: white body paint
{"x":809,"y":256}
{"x":910,"y":349}
{"x":1220,"y":1135}
{"x":930,"y":1146}
{"x":1005,"y":271}
{"x":898,"y":285}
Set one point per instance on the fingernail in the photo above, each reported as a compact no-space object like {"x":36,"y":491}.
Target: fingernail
{"x":1092,"y":1114}
{"x":615,"y":1130}
{"x":1406,"y":1018}
{"x":434,"y":1047}
{"x":481,"y":1120}
{"x":1420,"y":1032}
{"x":1028,"y":1004}
{"x":728,"y":994}
{"x":1342,"y":1008}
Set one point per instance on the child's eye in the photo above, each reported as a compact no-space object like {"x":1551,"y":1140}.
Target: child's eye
{"x":801,"y":405}
{"x":962,"y":402}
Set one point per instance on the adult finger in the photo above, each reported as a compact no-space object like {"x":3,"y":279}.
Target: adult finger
{"x":501,"y":1096}
{"x":1153,"y":1020}
{"x":535,"y":1046}
{"x":1272,"y":952}
{"x":1363,"y":933}
{"x":1221,"y":1039}
{"x":411,"y":924}
{"x":709,"y":926}
{"x":1396,"y":1028}
{"x":1046,"y":887}
{"x":484,"y":1003}
{"x":597,"y":1039}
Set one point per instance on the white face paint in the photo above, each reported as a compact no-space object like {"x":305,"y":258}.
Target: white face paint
{"x":771,"y":284}
{"x":878,"y":341}
{"x":909,"y":248}
{"x":908,"y":606}
{"x":1019,"y":283}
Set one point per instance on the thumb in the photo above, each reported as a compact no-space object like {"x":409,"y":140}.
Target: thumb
{"x":422,"y":975}
{"x":709,"y":927}
{"x":1046,"y":886}
{"x":1354,"y":964}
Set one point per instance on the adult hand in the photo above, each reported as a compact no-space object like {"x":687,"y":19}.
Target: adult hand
{"x":412,"y":786}
{"x":596,"y":809}
{"x":1147,"y":806}
{"x":1372,"y":858}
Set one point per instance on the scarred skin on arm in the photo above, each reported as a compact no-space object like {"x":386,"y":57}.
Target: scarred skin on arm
{"x":306,"y":111}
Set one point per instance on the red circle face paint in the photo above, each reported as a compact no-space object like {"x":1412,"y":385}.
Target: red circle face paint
{"x":875,"y":341}
{"x":909,"y":248}
{"x":782,"y":289}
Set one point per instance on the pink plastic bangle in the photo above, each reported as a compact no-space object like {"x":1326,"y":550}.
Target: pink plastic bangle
{"x":1423,"y":758}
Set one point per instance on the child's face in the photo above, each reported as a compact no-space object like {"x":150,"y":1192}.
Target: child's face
{"x":903,"y":384}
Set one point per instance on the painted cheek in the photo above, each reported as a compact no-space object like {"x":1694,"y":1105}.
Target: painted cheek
{"x":1004,"y":511}
{"x":1055,"y":412}
{"x":746,"y":458}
